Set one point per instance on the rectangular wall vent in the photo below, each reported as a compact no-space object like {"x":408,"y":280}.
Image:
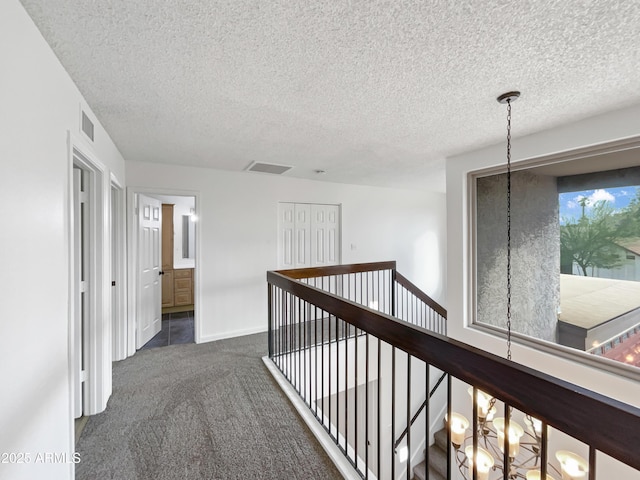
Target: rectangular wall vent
{"x":268,"y":168}
{"x":87,"y":126}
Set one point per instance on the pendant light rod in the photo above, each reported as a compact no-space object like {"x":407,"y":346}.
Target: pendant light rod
{"x":508,"y":98}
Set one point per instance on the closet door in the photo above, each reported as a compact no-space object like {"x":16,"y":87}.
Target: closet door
{"x":308,"y":235}
{"x":302,"y":235}
{"x":325,"y":235}
{"x":286,"y":235}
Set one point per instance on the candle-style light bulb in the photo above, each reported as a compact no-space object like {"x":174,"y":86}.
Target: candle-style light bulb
{"x":483,"y":401}
{"x":537,"y":475}
{"x":458,"y":427}
{"x":572,"y":466}
{"x":515,"y":433}
{"x":483,"y":459}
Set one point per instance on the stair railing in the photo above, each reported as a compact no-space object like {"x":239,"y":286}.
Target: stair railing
{"x":420,"y":409}
{"x":333,"y":350}
{"x":302,"y":328}
{"x":416,"y":307}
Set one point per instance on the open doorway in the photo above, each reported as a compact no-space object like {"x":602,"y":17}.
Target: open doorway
{"x":176,"y":254}
{"x":90,"y":352}
{"x":178,"y":268}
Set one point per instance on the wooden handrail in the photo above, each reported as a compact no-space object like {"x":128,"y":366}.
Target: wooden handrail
{"x":406,"y":283}
{"x":610,"y":426}
{"x":314,"y":272}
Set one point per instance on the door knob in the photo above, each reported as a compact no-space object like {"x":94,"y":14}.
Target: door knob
{"x":160,"y":272}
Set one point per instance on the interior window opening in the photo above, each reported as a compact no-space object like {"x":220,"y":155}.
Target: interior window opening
{"x":575,"y":238}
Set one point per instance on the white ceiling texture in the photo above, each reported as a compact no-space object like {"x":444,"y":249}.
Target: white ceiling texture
{"x":372,"y":92}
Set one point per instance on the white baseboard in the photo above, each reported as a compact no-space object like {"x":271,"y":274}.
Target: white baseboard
{"x":232,"y":334}
{"x":342,"y":464}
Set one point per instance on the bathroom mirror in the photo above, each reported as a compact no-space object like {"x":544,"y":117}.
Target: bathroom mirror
{"x":188,"y":237}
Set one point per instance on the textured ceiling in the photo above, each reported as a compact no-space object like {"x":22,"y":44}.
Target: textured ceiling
{"x":373,"y":92}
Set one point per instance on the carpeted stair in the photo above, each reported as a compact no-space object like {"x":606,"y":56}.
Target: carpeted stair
{"x":437,"y":460}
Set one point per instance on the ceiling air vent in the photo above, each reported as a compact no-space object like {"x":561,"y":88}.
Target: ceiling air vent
{"x":268,"y":168}
{"x":87,"y":126}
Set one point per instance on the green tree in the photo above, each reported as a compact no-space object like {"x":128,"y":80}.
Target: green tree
{"x":629,"y":218}
{"x":590,"y":241}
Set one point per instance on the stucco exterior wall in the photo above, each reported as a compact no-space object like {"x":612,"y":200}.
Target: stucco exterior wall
{"x":535,"y":255}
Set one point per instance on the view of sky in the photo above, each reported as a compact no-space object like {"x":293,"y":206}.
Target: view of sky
{"x":618,"y":197}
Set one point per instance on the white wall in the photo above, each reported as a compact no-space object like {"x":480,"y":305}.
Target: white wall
{"x":237,"y":231}
{"x":605,"y":128}
{"x":40,"y":104}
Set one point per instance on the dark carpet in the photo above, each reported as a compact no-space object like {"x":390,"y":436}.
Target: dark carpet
{"x":209,"y":411}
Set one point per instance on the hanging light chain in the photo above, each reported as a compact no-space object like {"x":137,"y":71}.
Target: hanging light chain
{"x":509,"y":229}
{"x":508,"y":98}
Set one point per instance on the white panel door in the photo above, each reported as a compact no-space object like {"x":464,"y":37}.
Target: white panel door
{"x":308,"y":235}
{"x":302,"y":235}
{"x":325,"y":235}
{"x":286,"y":235}
{"x":149,"y":269}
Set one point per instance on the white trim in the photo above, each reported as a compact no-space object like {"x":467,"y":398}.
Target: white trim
{"x":119,"y":316}
{"x":232,"y":334}
{"x":341,"y":463}
{"x":132,"y":259}
{"x":69,"y":239}
{"x":131,"y":217}
{"x":98,"y":354}
{"x":629,"y":143}
{"x":99,"y":382}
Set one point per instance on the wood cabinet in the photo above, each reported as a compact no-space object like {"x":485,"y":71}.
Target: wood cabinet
{"x":177,"y":287}
{"x":167,"y":237}
{"x":167,"y":289}
{"x":177,"y":284}
{"x":183,"y":286}
{"x":167,"y":256}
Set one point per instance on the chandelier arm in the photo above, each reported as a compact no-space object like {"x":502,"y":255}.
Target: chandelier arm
{"x":529,"y":444}
{"x":461,"y":460}
{"x":525,"y":461}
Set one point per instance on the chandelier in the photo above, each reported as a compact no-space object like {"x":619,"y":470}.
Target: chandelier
{"x":481,"y":455}
{"x":524,"y":446}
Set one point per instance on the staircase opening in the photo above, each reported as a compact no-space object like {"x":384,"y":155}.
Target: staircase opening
{"x":328,"y":343}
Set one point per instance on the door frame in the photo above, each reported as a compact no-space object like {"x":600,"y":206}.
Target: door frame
{"x":132,"y":242}
{"x":98,"y":342}
{"x":119,"y":264}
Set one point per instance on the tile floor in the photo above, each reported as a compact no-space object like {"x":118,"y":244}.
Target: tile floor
{"x":176,"y":328}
